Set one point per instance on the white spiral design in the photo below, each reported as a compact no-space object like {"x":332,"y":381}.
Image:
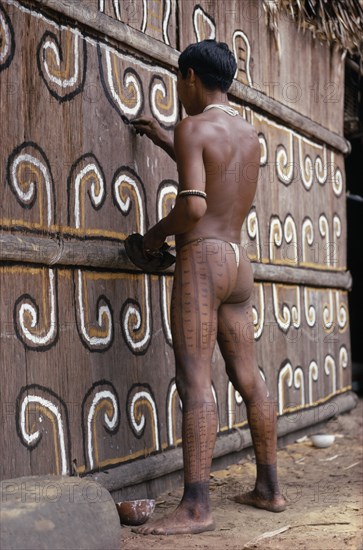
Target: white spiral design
{"x":27,"y":196}
{"x":343,"y":357}
{"x":341,"y":312}
{"x":111,"y":421}
{"x":139,"y":424}
{"x":62,"y":83}
{"x":158,"y":91}
{"x":299,"y":383}
{"x":337,"y":233}
{"x":27,"y":310}
{"x":330,"y":370}
{"x":132,"y":321}
{"x":275,"y":236}
{"x":295,"y":310}
{"x":306,"y":167}
{"x":97,"y":196}
{"x":284,"y":318}
{"x":337,"y":177}
{"x":264,"y":150}
{"x":285,"y":376}
{"x":253,"y":231}
{"x":130,"y":82}
{"x":290,"y":235}
{"x":337,"y":225}
{"x":310,"y":311}
{"x":313,"y":377}
{"x":288,"y":376}
{"x":285,"y":169}
{"x":124,"y":183}
{"x":328,"y":311}
{"x":307,"y":237}
{"x":324,"y":232}
{"x":338,"y":182}
{"x":104,"y":319}
{"x":32,"y":438}
{"x":321,"y":167}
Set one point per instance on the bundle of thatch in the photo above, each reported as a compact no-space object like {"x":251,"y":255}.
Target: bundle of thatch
{"x":338,"y":22}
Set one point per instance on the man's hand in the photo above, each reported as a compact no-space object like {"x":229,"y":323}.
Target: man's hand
{"x":153,"y":241}
{"x":148,"y":126}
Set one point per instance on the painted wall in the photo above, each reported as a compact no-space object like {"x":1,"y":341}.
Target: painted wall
{"x":86,"y":354}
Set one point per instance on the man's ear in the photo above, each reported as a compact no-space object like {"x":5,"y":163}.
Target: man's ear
{"x":191,"y":77}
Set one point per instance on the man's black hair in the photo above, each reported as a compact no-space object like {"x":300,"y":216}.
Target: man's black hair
{"x":212,"y":61}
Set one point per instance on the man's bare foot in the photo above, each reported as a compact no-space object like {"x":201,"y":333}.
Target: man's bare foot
{"x":252,"y":498}
{"x":180,"y":522}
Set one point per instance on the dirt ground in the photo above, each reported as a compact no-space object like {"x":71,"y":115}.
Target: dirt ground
{"x":323,"y":488}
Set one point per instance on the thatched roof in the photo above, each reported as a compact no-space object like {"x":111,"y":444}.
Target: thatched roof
{"x":338,"y":22}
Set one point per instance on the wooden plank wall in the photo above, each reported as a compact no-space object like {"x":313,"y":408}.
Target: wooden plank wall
{"x":86,"y":354}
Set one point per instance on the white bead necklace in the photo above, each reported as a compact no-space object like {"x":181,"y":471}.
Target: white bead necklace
{"x":226,"y":108}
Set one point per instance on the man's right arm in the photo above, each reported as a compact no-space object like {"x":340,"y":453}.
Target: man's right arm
{"x":152,"y":129}
{"x":189,"y":209}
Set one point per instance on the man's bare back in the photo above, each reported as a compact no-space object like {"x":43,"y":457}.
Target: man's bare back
{"x":229,"y":149}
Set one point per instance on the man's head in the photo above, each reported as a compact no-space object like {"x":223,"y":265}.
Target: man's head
{"x":212,"y":62}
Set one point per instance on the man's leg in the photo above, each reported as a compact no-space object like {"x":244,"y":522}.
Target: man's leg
{"x":236,"y":341}
{"x":194,"y":327}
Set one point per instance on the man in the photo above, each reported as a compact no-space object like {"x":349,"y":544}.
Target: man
{"x":217,"y":154}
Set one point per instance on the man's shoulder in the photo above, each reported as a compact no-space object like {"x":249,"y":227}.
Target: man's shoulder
{"x":188,"y":129}
{"x":186,"y":124}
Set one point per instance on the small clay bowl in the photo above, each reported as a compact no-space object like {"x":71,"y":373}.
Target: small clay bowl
{"x":135,"y":512}
{"x":322,"y":440}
